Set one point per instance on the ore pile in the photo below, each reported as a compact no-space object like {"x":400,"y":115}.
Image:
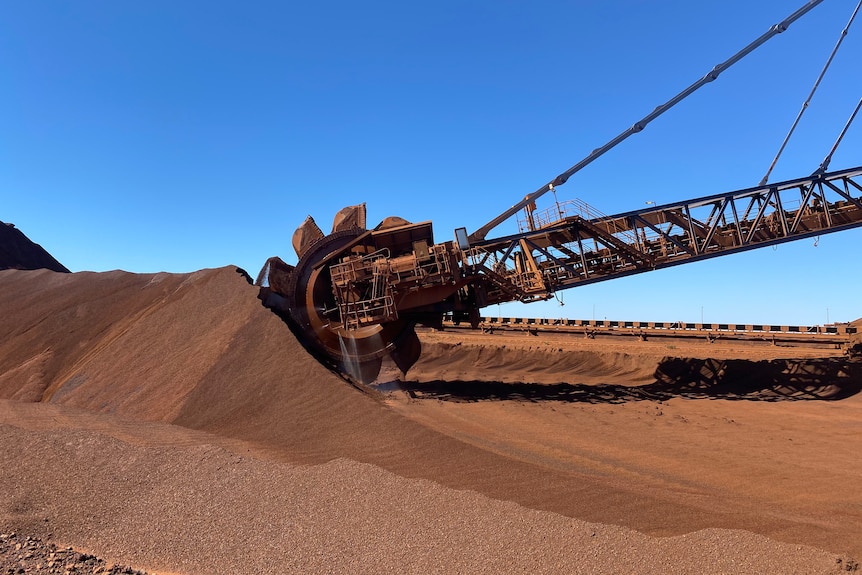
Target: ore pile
{"x":18,"y":252}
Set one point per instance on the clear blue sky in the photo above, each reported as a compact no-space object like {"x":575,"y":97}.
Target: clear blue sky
{"x":174,"y":136}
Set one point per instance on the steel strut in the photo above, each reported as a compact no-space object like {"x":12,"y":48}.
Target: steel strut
{"x":480,"y":234}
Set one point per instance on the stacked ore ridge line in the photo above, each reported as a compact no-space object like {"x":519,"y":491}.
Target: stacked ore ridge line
{"x":18,"y":252}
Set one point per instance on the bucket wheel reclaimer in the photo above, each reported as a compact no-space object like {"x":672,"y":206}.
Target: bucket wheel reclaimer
{"x":355,"y":295}
{"x":340,"y":299}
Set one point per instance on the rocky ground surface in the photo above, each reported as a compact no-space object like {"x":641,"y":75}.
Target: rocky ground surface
{"x":26,"y":554}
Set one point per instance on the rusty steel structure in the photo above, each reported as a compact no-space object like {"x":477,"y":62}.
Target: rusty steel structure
{"x":356,"y":294}
{"x":569,"y":249}
{"x":835,"y":336}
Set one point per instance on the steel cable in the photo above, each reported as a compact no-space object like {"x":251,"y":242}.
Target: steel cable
{"x":825,"y":164}
{"x":811,"y":95}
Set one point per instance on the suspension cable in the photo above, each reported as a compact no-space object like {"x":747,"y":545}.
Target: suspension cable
{"x":811,"y":95}
{"x":824,"y":165}
{"x":480,"y":234}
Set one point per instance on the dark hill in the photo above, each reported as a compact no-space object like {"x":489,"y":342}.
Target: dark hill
{"x":18,"y":252}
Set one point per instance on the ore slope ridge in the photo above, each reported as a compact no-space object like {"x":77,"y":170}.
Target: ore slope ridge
{"x":18,"y":252}
{"x":200,"y":351}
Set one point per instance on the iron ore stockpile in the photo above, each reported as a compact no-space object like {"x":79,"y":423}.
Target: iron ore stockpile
{"x":18,"y":252}
{"x":172,"y":424}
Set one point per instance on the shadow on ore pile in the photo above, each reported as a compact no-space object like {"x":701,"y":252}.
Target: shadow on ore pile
{"x":827,"y":379}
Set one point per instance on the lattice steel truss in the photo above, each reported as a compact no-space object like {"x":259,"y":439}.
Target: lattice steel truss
{"x":576,"y":250}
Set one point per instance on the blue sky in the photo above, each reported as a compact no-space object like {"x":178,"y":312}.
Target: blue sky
{"x":174,"y":136}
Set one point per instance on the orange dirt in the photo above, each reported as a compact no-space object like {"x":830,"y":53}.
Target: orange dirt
{"x":171,"y":377}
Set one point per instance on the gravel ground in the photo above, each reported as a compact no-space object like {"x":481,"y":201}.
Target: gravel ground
{"x":26,"y":554}
{"x":195,"y":508}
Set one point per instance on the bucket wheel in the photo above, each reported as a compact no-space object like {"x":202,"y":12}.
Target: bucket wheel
{"x":357,"y":353}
